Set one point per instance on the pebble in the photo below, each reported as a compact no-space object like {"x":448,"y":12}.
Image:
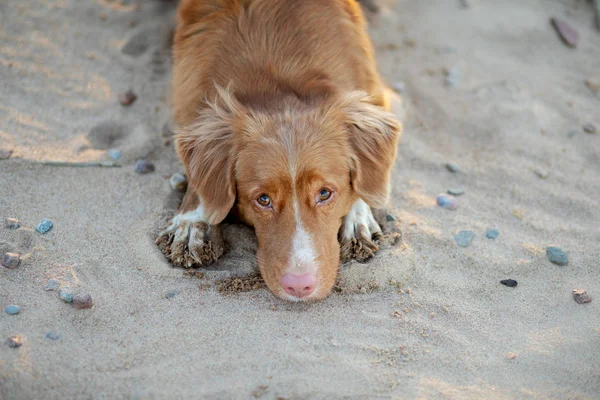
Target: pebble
{"x":453,"y":167}
{"x":12,"y":223}
{"x":81,"y":301}
{"x":399,"y":87}
{"x":511,"y":356}
{"x":178,"y":182}
{"x":144,"y":167}
{"x":456,"y":191}
{"x":12,"y":309}
{"x":14,"y":341}
{"x":464,"y":238}
{"x":593,"y":86}
{"x":509,"y":282}
{"x":114,"y":154}
{"x":127,"y":98}
{"x":390,"y":218}
{"x":492,"y":233}
{"x":581,"y":297}
{"x":52,"y":336}
{"x":5,"y":154}
{"x":11,"y":260}
{"x":541,"y":172}
{"x":66,"y":293}
{"x":171,"y":293}
{"x":589,"y":128}
{"x":453,"y":77}
{"x":557,"y":256}
{"x":566,"y":33}
{"x":447,"y":202}
{"x":44,"y":226}
{"x":52,"y":284}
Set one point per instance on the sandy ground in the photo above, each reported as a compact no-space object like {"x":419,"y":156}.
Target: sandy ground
{"x":424,"y":319}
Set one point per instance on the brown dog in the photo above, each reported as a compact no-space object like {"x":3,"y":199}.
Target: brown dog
{"x":281,"y":117}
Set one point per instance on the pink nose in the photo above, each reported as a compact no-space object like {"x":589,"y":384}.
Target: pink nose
{"x":299,"y":285}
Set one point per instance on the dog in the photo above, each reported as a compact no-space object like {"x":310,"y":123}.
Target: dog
{"x":282,"y":120}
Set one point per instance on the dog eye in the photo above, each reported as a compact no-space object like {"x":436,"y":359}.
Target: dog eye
{"x":324,"y":195}
{"x":264,"y":200}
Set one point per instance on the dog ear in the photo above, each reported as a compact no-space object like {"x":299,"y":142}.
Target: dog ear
{"x":207,"y":149}
{"x":373,"y":136}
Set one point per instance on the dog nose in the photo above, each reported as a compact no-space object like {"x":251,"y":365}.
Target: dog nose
{"x":299,"y":285}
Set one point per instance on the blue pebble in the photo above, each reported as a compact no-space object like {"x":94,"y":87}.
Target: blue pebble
{"x":44,"y":226}
{"x":171,"y":293}
{"x":464,"y":238}
{"x":447,"y":202}
{"x":557,"y":256}
{"x":115,"y":154}
{"x":12,"y":309}
{"x":66,"y":293}
{"x":492,"y":233}
{"x":52,"y":284}
{"x":52,"y":336}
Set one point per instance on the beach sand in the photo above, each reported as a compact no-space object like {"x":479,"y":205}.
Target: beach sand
{"x":424,"y":319}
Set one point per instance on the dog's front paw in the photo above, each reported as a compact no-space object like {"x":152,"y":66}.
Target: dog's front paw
{"x":188,"y":243}
{"x":359,"y":233}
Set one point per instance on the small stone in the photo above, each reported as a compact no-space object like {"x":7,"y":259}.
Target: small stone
{"x":390,"y":217}
{"x":15,"y":341}
{"x":52,"y":336}
{"x":127,"y":98}
{"x":144,"y":167}
{"x":399,"y":87}
{"x":171,"y":293}
{"x":509,"y":282}
{"x":66,"y":293}
{"x":52,"y":284}
{"x":557,"y":256}
{"x":456,"y":191}
{"x":581,"y":297}
{"x":464,"y":238}
{"x":44,"y":226}
{"x":492,"y":233}
{"x":541,"y":172}
{"x":178,"y":182}
{"x":114,"y":154}
{"x":589,"y":128}
{"x":12,"y":309}
{"x":447,"y":202}
{"x":453,"y":167}
{"x":11,"y":260}
{"x":81,"y":301}
{"x":12,"y":223}
{"x":566,"y":33}
{"x":453,"y":77}
{"x":5,"y":154}
{"x":511,"y":356}
{"x":593,"y":86}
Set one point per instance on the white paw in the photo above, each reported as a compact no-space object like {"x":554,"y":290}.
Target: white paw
{"x":359,"y":233}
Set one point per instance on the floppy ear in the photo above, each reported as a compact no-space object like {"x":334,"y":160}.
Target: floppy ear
{"x":373,"y":136}
{"x":207,"y":149}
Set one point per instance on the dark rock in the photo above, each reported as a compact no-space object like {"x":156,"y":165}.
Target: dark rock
{"x":557,"y":256}
{"x":589,"y":128}
{"x":390,"y":218}
{"x":581,"y":296}
{"x":12,"y":223}
{"x":171,"y":293}
{"x":491,"y":233}
{"x":456,"y":191}
{"x":464,"y":238}
{"x":566,"y":33}
{"x":127,"y":98}
{"x":11,"y":260}
{"x":509,"y":282}
{"x":81,"y":301}
{"x":144,"y":167}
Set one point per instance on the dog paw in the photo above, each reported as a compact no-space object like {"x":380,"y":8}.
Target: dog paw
{"x":190,"y":243}
{"x":359,"y":234}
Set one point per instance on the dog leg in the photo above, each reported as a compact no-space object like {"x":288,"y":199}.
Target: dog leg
{"x":189,"y":241}
{"x":359,"y":233}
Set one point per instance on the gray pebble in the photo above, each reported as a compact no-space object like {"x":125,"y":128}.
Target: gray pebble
{"x":178,"y":182}
{"x":390,"y":217}
{"x":581,"y":297}
{"x":12,"y":223}
{"x":541,"y":172}
{"x":171,"y":293}
{"x":127,"y":98}
{"x":114,"y":154}
{"x":44,"y":226}
{"x":52,"y":336}
{"x":66,"y":293}
{"x":15,"y":341}
{"x":453,"y":167}
{"x":557,"y":256}
{"x":81,"y":301}
{"x":491,"y":233}
{"x":456,"y":191}
{"x":52,"y":284}
{"x":12,"y":309}
{"x":453,"y":77}
{"x":589,"y":128}
{"x":144,"y":167}
{"x":464,"y":238}
{"x":11,"y":260}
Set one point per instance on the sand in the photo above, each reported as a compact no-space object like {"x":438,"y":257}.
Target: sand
{"x":424,"y":319}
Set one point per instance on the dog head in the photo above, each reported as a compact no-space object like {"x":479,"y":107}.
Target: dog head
{"x":293,"y":174}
